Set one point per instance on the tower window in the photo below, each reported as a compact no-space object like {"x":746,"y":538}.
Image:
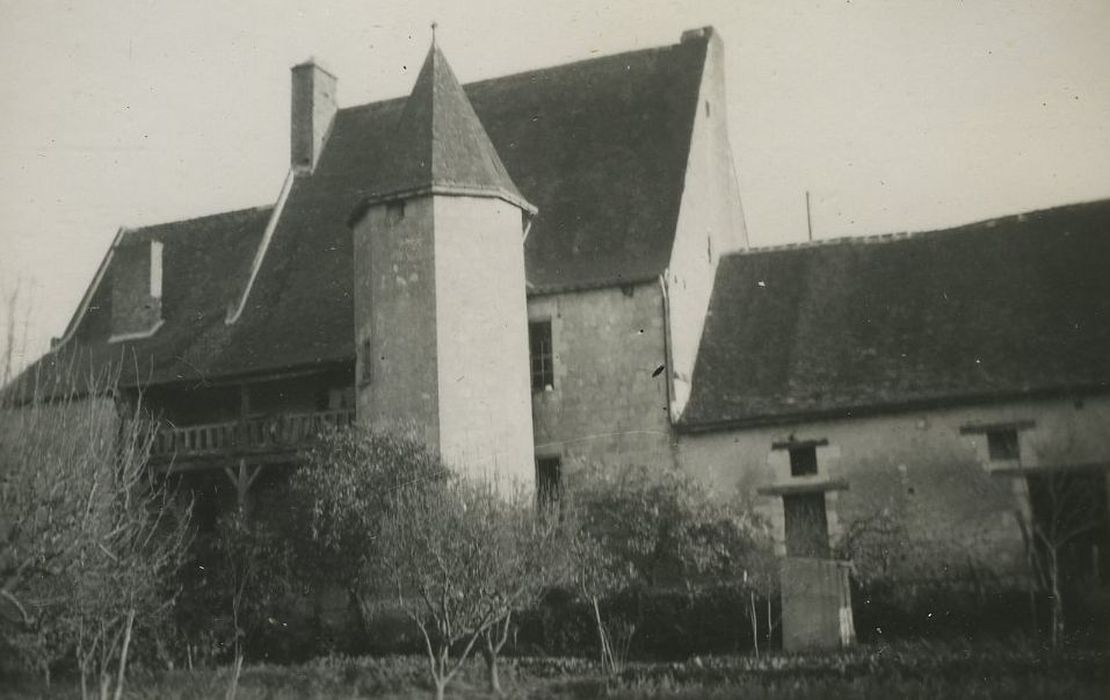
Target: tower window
{"x":542,"y":355}
{"x":549,"y":479}
{"x":803,"y":461}
{"x":365,"y":363}
{"x":395,"y":211}
{"x":1003,"y":444}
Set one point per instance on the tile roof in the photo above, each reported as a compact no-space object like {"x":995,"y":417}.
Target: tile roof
{"x":438,"y":145}
{"x":999,"y":309}
{"x":204,"y":261}
{"x":599,"y":146}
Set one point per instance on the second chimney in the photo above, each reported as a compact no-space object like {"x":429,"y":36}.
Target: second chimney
{"x":313,"y":108}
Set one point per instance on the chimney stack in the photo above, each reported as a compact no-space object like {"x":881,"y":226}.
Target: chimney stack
{"x":313,"y":108}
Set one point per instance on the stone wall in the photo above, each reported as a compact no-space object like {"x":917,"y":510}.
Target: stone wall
{"x":395,"y":318}
{"x":957,"y":509}
{"x":482,"y":339}
{"x":441,"y":330}
{"x":710,"y":224}
{"x":608,"y":405}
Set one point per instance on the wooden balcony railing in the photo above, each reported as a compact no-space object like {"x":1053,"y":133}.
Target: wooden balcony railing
{"x":283,"y":432}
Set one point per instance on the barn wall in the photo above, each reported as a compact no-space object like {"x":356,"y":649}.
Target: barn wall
{"x":958,"y":509}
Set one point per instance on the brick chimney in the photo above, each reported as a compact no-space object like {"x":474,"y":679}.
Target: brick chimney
{"x":136,"y":289}
{"x":313,"y":108}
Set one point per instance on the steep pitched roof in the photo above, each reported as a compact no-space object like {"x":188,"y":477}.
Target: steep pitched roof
{"x":599,"y":146}
{"x":203,"y":263}
{"x":439,"y":145}
{"x":999,"y":309}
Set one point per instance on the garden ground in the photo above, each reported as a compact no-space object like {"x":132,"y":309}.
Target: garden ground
{"x":880,"y":671}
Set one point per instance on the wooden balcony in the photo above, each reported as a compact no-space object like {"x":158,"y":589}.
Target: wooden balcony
{"x":272,"y":437}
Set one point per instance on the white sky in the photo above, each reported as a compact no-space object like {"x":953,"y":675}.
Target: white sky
{"x":896,"y":115}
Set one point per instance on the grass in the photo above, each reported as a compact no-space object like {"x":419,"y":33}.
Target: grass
{"x":917,"y":671}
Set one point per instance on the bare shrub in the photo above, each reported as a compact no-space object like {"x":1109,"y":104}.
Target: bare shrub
{"x":642,"y":530}
{"x":90,"y":538}
{"x":461,"y":557}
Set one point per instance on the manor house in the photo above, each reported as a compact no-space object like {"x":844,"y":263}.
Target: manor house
{"x":551,"y":269}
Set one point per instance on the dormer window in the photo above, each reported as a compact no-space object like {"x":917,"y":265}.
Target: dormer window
{"x":136,"y":289}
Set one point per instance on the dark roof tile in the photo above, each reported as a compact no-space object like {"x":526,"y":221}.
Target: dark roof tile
{"x":1003,"y":308}
{"x":203,"y":261}
{"x":439,"y":145}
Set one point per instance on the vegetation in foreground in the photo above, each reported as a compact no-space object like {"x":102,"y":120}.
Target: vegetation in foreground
{"x":904,"y":671}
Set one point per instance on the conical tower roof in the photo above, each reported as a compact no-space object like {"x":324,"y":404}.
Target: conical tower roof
{"x":439,"y":145}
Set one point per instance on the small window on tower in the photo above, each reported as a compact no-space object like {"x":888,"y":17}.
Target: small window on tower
{"x":364,"y":361}
{"x":542,"y":355}
{"x":395,"y":211}
{"x":1002,"y":445}
{"x":803,"y":461}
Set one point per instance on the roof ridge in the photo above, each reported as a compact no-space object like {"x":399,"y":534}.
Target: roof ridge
{"x":525,"y":73}
{"x":891,"y":237}
{"x":193,"y":219}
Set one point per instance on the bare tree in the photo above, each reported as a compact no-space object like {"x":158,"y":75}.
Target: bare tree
{"x":642,"y":530}
{"x":342,"y":495}
{"x":89,"y":538}
{"x":598,"y":573}
{"x":461,"y":558}
{"x":1065,"y":509}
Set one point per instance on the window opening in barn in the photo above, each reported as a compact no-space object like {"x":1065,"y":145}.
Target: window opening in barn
{"x":549,"y":479}
{"x":1003,"y":444}
{"x":807,"y":527}
{"x":542,"y":355}
{"x":803,"y":461}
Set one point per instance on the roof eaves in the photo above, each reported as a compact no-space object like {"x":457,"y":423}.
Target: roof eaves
{"x":865,"y":410}
{"x":137,"y":335}
{"x":537,"y":290}
{"x":439,"y":188}
{"x":83,"y":307}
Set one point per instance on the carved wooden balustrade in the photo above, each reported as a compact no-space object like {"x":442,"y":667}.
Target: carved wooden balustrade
{"x":281,"y":433}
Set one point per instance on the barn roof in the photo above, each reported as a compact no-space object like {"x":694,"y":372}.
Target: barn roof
{"x":1005,"y":308}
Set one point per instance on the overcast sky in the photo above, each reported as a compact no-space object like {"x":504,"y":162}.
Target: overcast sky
{"x":895,"y":115}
